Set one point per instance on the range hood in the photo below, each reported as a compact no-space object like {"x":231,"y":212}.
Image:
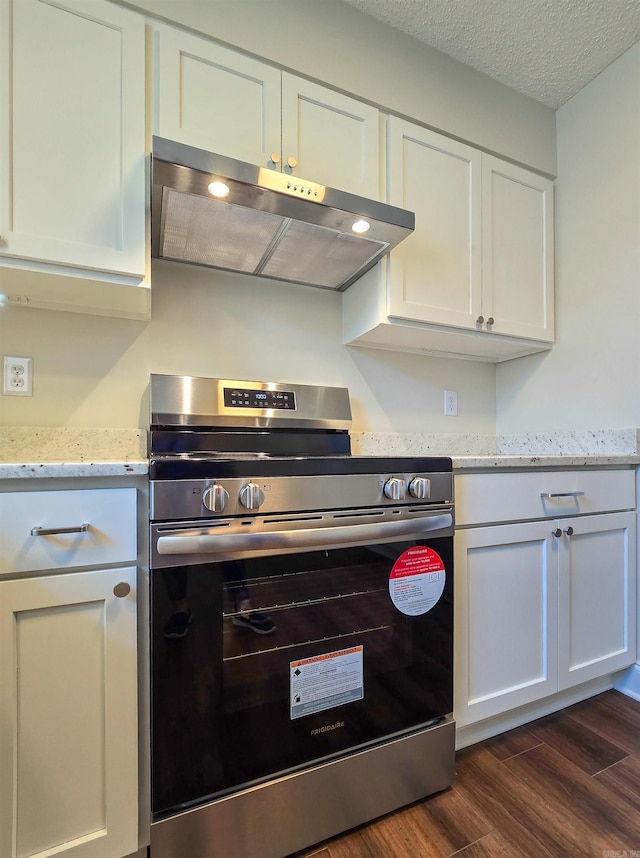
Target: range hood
{"x":269,"y":224}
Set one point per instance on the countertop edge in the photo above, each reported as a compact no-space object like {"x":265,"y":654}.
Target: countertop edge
{"x":140,"y":467}
{"x":39,"y":470}
{"x":469,"y":463}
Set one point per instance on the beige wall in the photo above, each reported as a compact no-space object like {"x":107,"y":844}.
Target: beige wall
{"x":591,"y":378}
{"x":94,"y":371}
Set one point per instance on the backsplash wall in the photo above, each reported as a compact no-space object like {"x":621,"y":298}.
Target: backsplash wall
{"x":92,"y":371}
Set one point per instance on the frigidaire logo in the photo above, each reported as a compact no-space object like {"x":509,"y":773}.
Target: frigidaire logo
{"x":327,"y":727}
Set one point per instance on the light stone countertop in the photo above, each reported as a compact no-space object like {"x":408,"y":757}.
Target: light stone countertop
{"x":592,"y":448}
{"x":27,"y":452}
{"x":66,"y":452}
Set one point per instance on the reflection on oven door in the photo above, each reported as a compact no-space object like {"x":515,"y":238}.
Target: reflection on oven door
{"x":287,"y":660}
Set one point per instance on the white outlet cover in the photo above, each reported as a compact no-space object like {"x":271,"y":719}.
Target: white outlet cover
{"x":451,"y":403}
{"x":17,"y":376}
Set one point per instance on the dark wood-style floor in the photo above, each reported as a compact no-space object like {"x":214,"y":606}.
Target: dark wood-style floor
{"x":565,"y":785}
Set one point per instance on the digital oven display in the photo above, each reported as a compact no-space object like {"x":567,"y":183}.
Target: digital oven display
{"x":283,"y":400}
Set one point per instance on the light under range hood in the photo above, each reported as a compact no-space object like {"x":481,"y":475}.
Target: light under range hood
{"x":269,"y":224}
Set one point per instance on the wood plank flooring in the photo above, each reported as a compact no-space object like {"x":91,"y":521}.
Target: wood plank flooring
{"x":565,"y":785}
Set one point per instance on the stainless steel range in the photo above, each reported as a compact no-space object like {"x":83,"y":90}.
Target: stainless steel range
{"x":301,"y":621}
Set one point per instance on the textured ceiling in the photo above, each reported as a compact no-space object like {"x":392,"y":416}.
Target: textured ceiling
{"x":547,"y":49}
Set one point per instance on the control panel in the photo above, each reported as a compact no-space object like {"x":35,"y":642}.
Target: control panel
{"x":192,"y":499}
{"x":241,"y":397}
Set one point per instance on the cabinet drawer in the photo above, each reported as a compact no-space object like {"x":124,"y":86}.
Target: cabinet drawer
{"x":493,"y":498}
{"x":109,"y":537}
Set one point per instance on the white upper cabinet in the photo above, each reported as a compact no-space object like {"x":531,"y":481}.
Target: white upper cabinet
{"x":333,"y":138}
{"x":436,"y":273}
{"x":72,"y":155}
{"x":517,"y":257}
{"x":475,"y":279}
{"x":215,"y":99}
{"x":219,"y":100}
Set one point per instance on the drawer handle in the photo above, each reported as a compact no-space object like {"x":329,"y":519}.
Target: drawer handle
{"x":54,"y":531}
{"x":547,"y":495}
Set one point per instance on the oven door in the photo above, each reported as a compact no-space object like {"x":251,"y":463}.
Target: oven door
{"x":322,"y":635}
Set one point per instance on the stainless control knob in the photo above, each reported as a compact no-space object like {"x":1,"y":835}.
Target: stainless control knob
{"x":395,"y":488}
{"x":251,"y":496}
{"x":420,"y":487}
{"x":215,"y":498}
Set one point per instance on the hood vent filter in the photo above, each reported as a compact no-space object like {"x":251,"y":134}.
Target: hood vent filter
{"x":264,"y":227}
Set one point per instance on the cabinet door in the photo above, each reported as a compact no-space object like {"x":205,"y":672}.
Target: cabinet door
{"x":517,"y":225}
{"x":506,"y":619}
{"x":435,"y":274}
{"x":68,"y":716}
{"x":72,"y":153}
{"x":333,"y":138}
{"x":597,"y":589}
{"x":215,"y":99}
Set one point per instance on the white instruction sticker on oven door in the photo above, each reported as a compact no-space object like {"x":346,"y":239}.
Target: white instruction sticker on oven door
{"x":417,"y":580}
{"x":324,"y":681}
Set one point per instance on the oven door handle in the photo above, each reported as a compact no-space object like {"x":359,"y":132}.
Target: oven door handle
{"x":213,"y":542}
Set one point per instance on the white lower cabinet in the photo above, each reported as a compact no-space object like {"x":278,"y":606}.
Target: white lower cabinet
{"x":506,"y":619}
{"x":541,"y":606}
{"x":68,"y":697}
{"x":596,"y":597}
{"x":68,"y":751}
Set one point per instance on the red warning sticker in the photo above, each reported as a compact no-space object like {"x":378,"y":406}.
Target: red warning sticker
{"x":417,"y":580}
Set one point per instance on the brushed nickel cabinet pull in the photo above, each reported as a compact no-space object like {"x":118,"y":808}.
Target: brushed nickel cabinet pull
{"x":121,"y":590}
{"x":548,"y":495}
{"x":54,"y":531}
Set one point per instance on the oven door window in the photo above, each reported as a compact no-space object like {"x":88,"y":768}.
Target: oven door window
{"x":288,"y":660}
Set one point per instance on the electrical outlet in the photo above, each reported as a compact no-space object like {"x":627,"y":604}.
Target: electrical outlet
{"x":451,"y":403}
{"x":18,"y":376}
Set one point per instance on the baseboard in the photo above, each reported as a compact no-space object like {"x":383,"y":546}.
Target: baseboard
{"x":628,"y":682}
{"x":490,"y":727}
